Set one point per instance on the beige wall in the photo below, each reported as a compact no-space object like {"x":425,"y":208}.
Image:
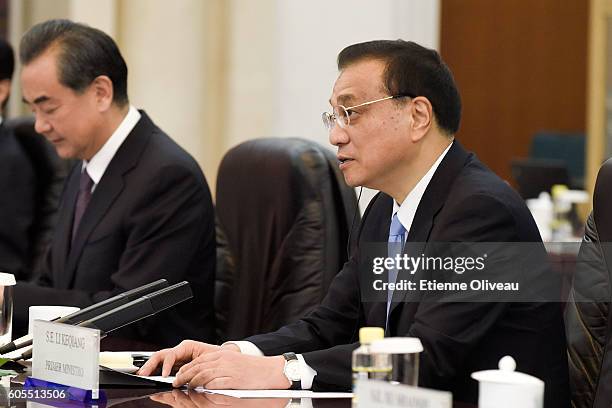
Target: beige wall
{"x":214,"y":73}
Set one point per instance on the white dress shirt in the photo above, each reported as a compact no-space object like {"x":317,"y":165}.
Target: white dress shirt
{"x":100,"y":161}
{"x":405,"y":212}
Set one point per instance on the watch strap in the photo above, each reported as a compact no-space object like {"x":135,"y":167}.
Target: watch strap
{"x":295,"y":385}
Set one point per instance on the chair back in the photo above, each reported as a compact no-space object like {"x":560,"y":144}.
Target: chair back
{"x":588,"y":319}
{"x":284,"y":214}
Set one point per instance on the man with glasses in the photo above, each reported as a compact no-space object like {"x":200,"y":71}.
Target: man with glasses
{"x":395,"y":110}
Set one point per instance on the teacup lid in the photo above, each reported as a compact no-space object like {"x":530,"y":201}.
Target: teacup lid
{"x":7,"y":279}
{"x":397,"y":345}
{"x":506,"y":374}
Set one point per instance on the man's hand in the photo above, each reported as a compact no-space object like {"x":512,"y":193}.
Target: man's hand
{"x":226,"y":369}
{"x":185,"y":352}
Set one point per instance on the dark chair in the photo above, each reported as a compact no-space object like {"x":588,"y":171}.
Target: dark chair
{"x":533,"y":176}
{"x":566,"y":147}
{"x":283,"y":219}
{"x":50,"y":171}
{"x":588,"y":319}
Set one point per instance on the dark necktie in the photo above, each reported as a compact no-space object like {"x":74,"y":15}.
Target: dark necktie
{"x":85,"y":185}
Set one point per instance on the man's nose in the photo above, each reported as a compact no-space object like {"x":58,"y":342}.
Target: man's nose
{"x":41,"y":126}
{"x":338,"y":135}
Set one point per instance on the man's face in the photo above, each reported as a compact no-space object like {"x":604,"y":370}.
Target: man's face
{"x":376,"y":144}
{"x":66,"y":118}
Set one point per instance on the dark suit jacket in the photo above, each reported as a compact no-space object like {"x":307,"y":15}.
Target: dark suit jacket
{"x":17,"y":203}
{"x":150,"y":217}
{"x":464,"y":202}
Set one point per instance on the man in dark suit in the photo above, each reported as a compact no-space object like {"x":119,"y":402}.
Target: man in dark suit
{"x":17,"y":182}
{"x":395,"y":110}
{"x":135,"y":209}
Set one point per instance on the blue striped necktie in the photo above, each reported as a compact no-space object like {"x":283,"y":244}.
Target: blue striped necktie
{"x":397,"y":236}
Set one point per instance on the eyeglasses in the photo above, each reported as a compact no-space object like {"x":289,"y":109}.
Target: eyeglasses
{"x":341,"y":115}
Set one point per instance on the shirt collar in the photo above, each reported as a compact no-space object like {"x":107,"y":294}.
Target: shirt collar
{"x":407,"y":210}
{"x":100,"y":161}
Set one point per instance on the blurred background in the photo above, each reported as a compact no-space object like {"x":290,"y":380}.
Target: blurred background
{"x":534,"y":74}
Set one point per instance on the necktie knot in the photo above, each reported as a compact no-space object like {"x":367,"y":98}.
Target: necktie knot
{"x":86,"y":183}
{"x":396,"y":229}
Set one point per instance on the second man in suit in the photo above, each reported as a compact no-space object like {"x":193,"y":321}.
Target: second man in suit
{"x":135,"y":209}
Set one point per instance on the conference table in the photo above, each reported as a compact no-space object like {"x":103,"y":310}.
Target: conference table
{"x":151,"y":397}
{"x":13,"y":394}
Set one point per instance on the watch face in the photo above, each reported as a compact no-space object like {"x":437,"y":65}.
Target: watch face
{"x":292,"y":370}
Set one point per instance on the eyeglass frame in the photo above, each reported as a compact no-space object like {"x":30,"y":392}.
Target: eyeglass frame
{"x":330,"y":118}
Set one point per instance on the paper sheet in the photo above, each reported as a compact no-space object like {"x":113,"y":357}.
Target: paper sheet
{"x":277,"y":393}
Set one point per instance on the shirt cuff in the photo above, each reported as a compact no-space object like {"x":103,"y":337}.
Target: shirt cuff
{"x":246,"y":347}
{"x":308,"y":374}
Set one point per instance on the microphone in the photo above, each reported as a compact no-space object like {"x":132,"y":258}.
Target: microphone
{"x":145,"y":306}
{"x":92,"y":311}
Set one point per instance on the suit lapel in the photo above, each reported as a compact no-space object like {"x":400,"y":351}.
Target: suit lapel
{"x":107,"y":191}
{"x":377,"y":230}
{"x":431,"y":203}
{"x":64,"y":225}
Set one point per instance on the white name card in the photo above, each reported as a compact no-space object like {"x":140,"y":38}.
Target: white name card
{"x":66,"y":355}
{"x":381,"y":394}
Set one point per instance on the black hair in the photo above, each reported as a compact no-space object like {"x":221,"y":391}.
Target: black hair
{"x":412,"y":69}
{"x":84,"y":54}
{"x":7,"y":60}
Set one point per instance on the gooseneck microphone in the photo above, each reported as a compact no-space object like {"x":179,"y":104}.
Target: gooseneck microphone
{"x":145,"y":306}
{"x":92,"y":311}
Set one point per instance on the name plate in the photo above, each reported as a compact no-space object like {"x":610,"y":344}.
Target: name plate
{"x":66,"y":355}
{"x":381,"y":394}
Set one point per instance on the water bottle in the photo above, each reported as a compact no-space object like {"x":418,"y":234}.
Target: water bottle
{"x":366,"y":365}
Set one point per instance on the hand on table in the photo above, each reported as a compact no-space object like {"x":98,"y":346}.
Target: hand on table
{"x":217,"y":367}
{"x":228,"y":369}
{"x":175,"y":357}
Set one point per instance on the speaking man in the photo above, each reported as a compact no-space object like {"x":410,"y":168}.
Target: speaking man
{"x":394,"y":111}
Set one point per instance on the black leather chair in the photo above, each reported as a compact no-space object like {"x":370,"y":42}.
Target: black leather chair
{"x":284,"y":214}
{"x":588,"y":318}
{"x":50,"y":171}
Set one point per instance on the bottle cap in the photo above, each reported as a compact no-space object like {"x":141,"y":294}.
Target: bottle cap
{"x":558,"y":189}
{"x":369,"y":334}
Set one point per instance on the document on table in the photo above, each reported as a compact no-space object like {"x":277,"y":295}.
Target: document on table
{"x":276,"y":393}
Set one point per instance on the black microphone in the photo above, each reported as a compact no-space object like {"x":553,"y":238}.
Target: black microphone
{"x":92,"y":311}
{"x":139,"y":309}
{"x":145,"y":306}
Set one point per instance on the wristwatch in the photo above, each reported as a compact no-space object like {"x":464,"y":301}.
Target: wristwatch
{"x":292,"y":371}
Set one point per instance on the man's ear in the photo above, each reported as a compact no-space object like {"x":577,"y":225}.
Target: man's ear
{"x":421,"y":113}
{"x":5,"y":90}
{"x":102,"y":86}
